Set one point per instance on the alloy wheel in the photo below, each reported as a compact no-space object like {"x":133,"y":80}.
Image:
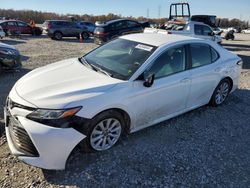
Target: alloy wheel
{"x":105,"y":134}
{"x":222,"y":93}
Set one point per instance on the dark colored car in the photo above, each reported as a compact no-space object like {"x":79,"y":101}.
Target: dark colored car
{"x":57,"y":29}
{"x":10,"y":57}
{"x":109,"y":30}
{"x":13,"y":26}
{"x":207,"y":19}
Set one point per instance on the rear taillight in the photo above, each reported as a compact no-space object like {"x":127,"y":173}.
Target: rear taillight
{"x":49,"y":25}
{"x":240,"y":63}
{"x":101,"y":33}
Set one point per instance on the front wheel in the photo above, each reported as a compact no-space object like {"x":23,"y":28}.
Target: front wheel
{"x":221,"y":93}
{"x":105,"y":130}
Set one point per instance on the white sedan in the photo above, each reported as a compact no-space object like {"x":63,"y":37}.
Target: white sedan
{"x":126,"y":85}
{"x":245,"y":31}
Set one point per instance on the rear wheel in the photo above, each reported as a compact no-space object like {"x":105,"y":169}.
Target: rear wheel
{"x":221,"y":93}
{"x":58,"y":35}
{"x":85,"y":35}
{"x":105,"y":130}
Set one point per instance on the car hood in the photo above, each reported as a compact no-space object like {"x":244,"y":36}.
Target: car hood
{"x":2,"y":45}
{"x":56,"y":85}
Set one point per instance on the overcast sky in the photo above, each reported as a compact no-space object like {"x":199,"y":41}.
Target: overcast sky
{"x":221,"y":8}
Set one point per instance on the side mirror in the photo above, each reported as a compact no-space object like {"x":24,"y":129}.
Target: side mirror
{"x":149,"y":80}
{"x":211,"y":34}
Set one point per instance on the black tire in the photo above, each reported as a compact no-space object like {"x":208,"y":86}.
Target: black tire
{"x":85,"y":35}
{"x":58,"y":35}
{"x":86,"y":144}
{"x":213,"y":102}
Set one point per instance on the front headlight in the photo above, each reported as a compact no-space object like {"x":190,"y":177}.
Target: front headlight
{"x":53,"y":114}
{"x":8,"y":51}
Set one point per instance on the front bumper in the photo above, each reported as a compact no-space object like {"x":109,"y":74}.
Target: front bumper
{"x":38,"y":144}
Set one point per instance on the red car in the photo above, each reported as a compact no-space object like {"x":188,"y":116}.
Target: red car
{"x":12,"y":26}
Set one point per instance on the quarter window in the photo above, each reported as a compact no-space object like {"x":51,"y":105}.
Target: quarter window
{"x":170,"y":62}
{"x":214,"y":55}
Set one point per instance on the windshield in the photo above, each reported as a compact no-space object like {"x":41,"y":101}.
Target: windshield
{"x":119,"y":58}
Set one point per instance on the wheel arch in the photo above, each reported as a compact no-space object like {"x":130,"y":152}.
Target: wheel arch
{"x":230,"y":80}
{"x":124,"y":114}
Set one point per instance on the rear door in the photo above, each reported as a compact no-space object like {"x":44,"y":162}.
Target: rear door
{"x":11,"y":26}
{"x":118,"y":28}
{"x":24,"y":28}
{"x":205,"y":73}
{"x":133,"y":27}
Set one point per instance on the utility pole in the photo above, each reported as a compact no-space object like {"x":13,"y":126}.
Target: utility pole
{"x":148,"y":13}
{"x":159,"y":11}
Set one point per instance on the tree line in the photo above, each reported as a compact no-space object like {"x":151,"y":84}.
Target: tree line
{"x":40,"y":17}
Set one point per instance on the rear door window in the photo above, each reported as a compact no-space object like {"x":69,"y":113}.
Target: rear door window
{"x":201,"y":55}
{"x":11,"y":23}
{"x":198,"y":29}
{"x":206,"y":30}
{"x":118,"y":25}
{"x":202,"y":30}
{"x":22,"y":24}
{"x":132,"y":24}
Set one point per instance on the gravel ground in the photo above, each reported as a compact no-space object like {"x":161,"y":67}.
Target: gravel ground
{"x":207,"y":147}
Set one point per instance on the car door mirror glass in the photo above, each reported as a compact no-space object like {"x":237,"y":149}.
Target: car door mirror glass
{"x":149,"y":80}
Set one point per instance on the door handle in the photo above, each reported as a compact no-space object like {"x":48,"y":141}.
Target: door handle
{"x":185,"y":80}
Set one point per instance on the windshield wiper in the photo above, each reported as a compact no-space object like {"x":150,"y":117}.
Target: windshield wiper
{"x":86,"y":63}
{"x":94,"y":67}
{"x":102,"y":71}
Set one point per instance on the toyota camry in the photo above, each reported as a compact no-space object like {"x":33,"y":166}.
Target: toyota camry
{"x":130,"y":83}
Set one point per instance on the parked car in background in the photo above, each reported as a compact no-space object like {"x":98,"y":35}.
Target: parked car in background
{"x":217,"y":31}
{"x":2,"y":33}
{"x":192,"y":29}
{"x":246,"y":30}
{"x":229,"y":29}
{"x":57,"y":29}
{"x":126,"y":85}
{"x":14,"y":26}
{"x":112,"y":29}
{"x":10,"y":57}
{"x":89,"y":25}
{"x":145,"y":24}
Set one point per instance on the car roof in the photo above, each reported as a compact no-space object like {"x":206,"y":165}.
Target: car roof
{"x":2,"y":21}
{"x":57,"y":21}
{"x":157,"y":39}
{"x":110,"y":22}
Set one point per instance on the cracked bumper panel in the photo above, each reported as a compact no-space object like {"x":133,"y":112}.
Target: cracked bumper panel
{"x":54,"y":145}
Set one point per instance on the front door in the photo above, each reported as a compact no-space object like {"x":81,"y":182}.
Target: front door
{"x":169,"y":92}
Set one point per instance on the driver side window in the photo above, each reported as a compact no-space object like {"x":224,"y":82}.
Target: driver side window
{"x":170,"y":62}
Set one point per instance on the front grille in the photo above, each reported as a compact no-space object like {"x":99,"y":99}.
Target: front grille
{"x":21,"y":139}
